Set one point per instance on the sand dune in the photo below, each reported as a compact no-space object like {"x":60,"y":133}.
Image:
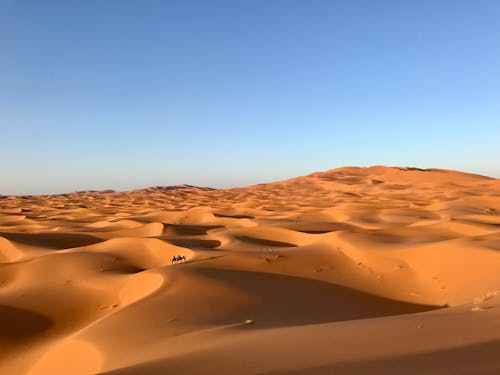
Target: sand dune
{"x":353,"y":270}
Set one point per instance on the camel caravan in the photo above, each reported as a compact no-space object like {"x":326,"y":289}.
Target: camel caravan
{"x":178,"y":259}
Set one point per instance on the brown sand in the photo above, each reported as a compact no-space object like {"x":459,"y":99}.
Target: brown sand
{"x":354,"y":270}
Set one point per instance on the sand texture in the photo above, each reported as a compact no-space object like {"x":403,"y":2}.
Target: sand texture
{"x":352,"y":271}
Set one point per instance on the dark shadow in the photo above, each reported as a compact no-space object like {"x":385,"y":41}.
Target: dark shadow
{"x":17,"y":324}
{"x":473,"y":359}
{"x":317,"y":228}
{"x":261,"y":241}
{"x":192,"y":243}
{"x":280,"y":300}
{"x":188,"y":230}
{"x":394,"y":187}
{"x":481,"y":358}
{"x":127,"y":269}
{"x":235,"y":216}
{"x":55,"y":241}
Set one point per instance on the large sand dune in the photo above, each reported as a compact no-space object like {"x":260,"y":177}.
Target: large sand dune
{"x":355,"y":270}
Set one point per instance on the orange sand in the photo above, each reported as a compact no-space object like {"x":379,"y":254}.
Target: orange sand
{"x":355,"y":270}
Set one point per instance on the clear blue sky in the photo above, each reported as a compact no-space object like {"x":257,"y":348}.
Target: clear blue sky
{"x":128,"y":94}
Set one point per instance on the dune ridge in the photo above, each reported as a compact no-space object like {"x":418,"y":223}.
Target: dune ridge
{"x":352,"y":270}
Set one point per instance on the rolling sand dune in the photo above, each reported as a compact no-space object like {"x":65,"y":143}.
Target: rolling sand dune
{"x":354,"y":270}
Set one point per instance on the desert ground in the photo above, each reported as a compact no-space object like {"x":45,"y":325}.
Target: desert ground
{"x":379,"y":270}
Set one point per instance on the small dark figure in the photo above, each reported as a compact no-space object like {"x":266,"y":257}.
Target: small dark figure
{"x":178,"y":258}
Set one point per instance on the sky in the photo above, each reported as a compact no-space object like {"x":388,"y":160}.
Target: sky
{"x":129,"y":94}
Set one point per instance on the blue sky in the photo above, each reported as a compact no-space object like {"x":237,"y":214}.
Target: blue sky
{"x":129,"y":94}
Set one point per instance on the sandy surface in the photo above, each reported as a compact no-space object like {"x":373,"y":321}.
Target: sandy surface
{"x":354,"y":270}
